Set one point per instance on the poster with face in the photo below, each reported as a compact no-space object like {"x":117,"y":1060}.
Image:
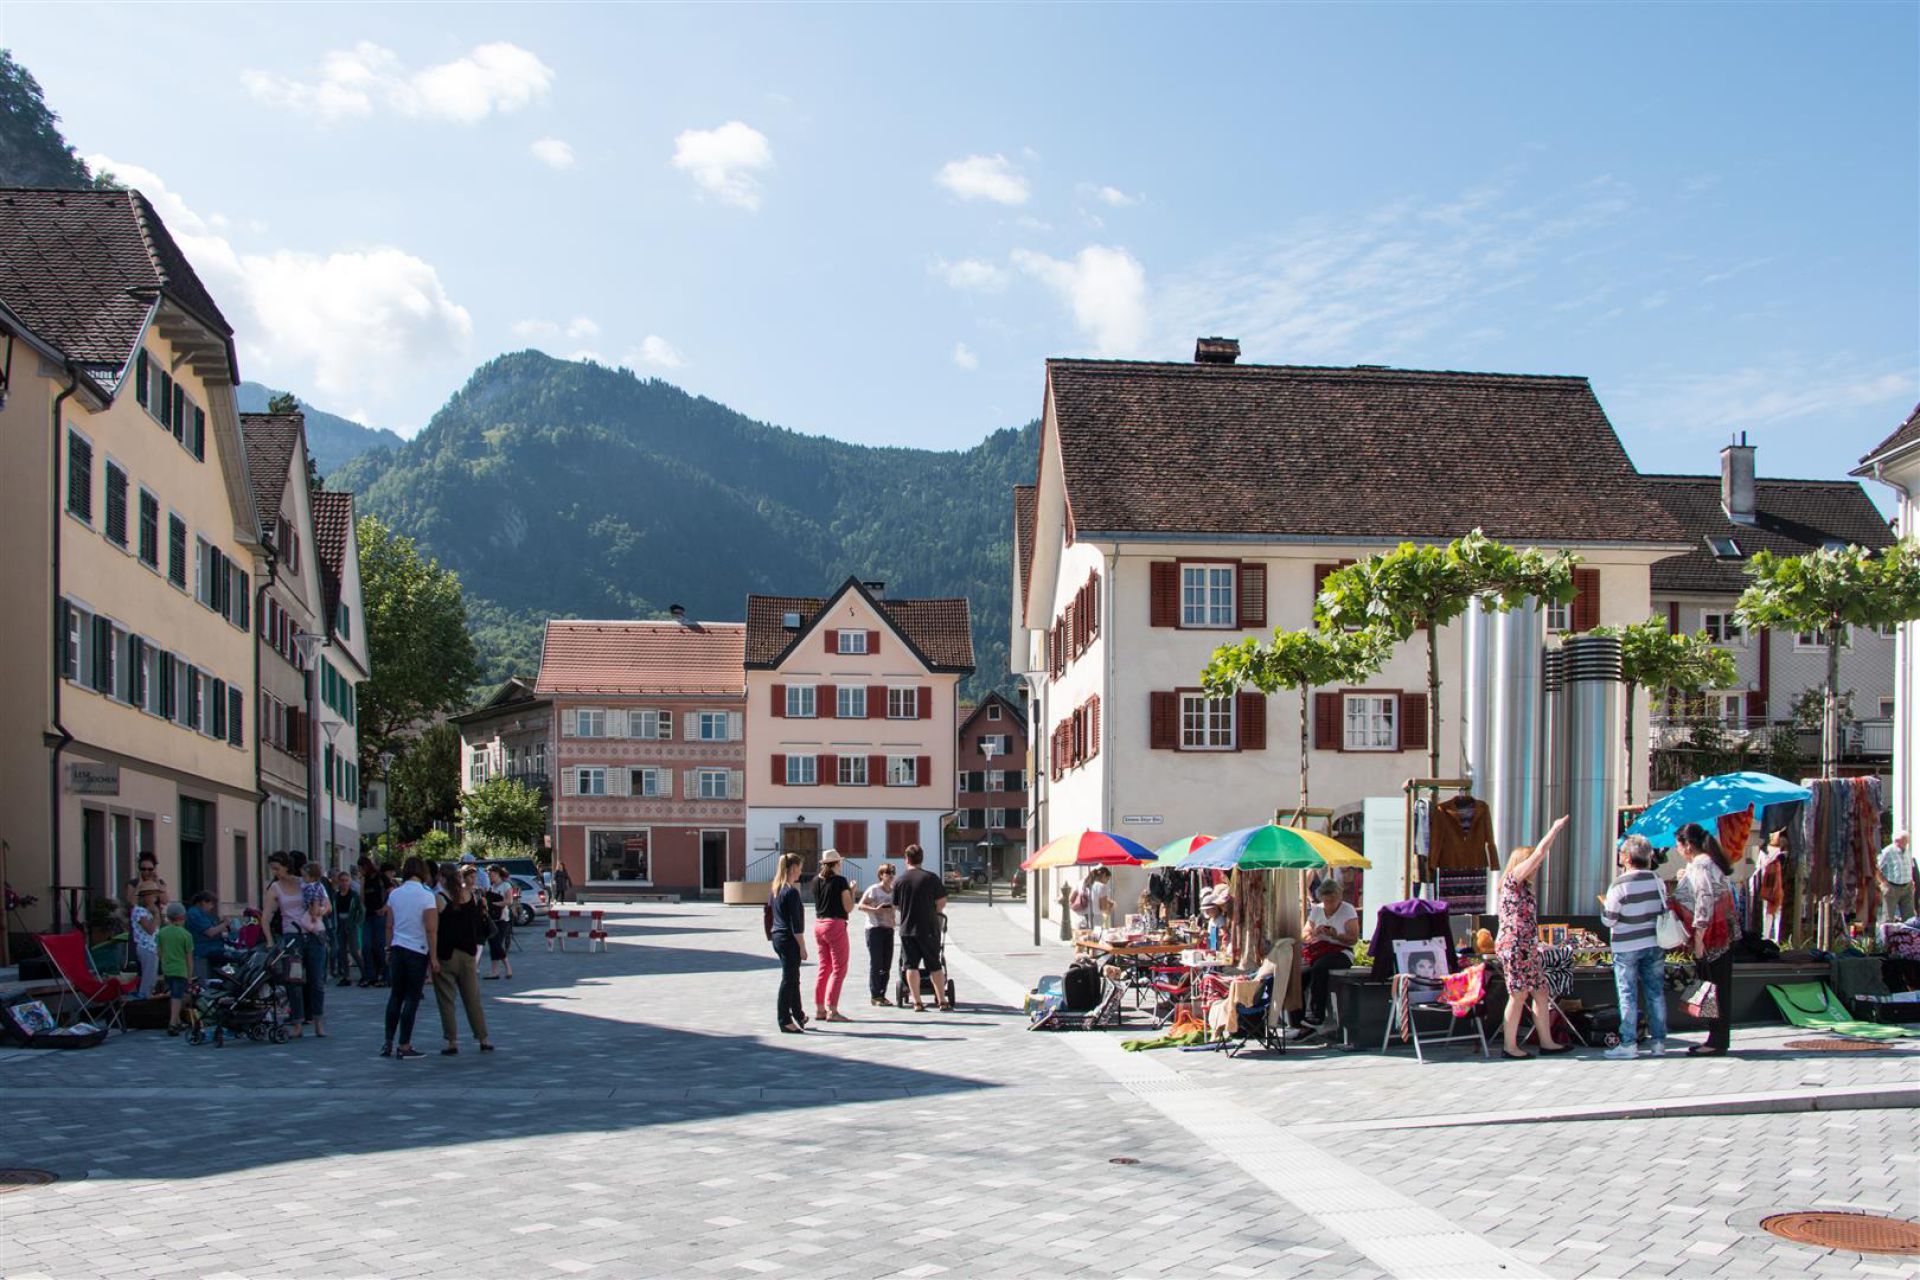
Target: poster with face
{"x":1425,"y":959}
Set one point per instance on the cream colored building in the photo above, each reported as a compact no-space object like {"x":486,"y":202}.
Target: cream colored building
{"x":1895,"y":462}
{"x":130,"y":529}
{"x":338,"y":664}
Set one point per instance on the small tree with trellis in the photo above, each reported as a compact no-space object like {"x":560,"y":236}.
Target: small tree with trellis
{"x":1652,"y":657}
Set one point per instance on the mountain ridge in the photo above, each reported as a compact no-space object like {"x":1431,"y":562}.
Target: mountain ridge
{"x":333,"y":440}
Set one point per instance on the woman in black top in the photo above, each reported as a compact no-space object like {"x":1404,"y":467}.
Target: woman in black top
{"x":787,"y":930}
{"x":832,"y":904}
{"x":498,"y":896}
{"x":463,"y":928}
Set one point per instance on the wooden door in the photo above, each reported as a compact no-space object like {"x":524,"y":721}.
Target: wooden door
{"x":804,"y":841}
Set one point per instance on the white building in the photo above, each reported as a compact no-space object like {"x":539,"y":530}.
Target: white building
{"x":1895,"y":462}
{"x":337,"y":664}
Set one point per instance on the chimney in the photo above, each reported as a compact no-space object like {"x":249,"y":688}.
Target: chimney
{"x":678,"y":612}
{"x":1216,"y":350}
{"x":1736,"y":481}
{"x":876,"y":589}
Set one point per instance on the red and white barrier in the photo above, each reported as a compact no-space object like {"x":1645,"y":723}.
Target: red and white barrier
{"x":566,"y":923}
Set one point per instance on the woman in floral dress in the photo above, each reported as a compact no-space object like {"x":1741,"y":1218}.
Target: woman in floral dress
{"x":1518,"y":947}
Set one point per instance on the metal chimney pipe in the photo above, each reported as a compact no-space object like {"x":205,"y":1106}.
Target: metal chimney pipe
{"x":1513,"y":717}
{"x":1594,"y":694}
{"x":1476,"y":682}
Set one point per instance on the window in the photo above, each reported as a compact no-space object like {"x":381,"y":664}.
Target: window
{"x":647,"y":725}
{"x":116,"y":505}
{"x":713,"y":726}
{"x":590,"y":782}
{"x":800,"y":704}
{"x":477,"y":769}
{"x":618,"y":856}
{"x":900,"y":835}
{"x":903,"y":771}
{"x":1206,"y":595}
{"x":850,"y":837}
{"x":853,"y":642}
{"x":79,"y":478}
{"x":344,"y":620}
{"x":903,"y":704}
{"x":712,"y":783}
{"x":966,"y":782}
{"x":137,"y":655}
{"x":1730,"y":709}
{"x":997,"y":819}
{"x":198,"y":443}
{"x":590,"y":723}
{"x":141,"y":379}
{"x":1723,"y":628}
{"x":853,"y":771}
{"x":645,"y":783}
{"x":1206,"y":724}
{"x":1372,"y":722}
{"x":149,"y":530}
{"x":75,"y":624}
{"x":539,"y":758}
{"x":1723,"y":547}
{"x":236,"y":734}
{"x":105,"y":653}
{"x":1886,"y":708}
{"x":802,"y":771}
{"x":1812,"y":640}
{"x":996,"y":779}
{"x":217,"y":705}
{"x":1888,"y":631}
{"x":851,"y":701}
{"x":177,"y":551}
{"x":993,"y":711}
{"x":1559,"y":615}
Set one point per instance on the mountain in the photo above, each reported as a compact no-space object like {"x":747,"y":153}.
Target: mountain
{"x":32,"y":151}
{"x":565,"y":488}
{"x":332,"y":440}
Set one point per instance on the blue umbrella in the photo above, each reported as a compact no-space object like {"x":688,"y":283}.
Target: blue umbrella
{"x":1712,"y":798}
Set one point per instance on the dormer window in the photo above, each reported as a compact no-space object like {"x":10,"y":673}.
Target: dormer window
{"x":853,"y":642}
{"x":1724,"y":548}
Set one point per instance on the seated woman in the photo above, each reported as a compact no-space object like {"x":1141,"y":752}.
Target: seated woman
{"x":1333,"y":927}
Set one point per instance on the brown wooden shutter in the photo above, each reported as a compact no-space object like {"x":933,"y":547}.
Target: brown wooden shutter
{"x":843,"y":836}
{"x":826,"y":702}
{"x":1673,"y":617}
{"x":876,"y":702}
{"x":1253,"y":721}
{"x":1253,"y":594}
{"x":1326,"y":723}
{"x":1163,"y":721}
{"x":876,"y":771}
{"x":779,"y":771}
{"x":779,"y":702}
{"x":1586,"y":599}
{"x":827,"y":773}
{"x":1756,"y":707}
{"x":1413,"y":722}
{"x":873,"y":642}
{"x":1093,"y":726}
{"x":833,"y":641}
{"x":922,"y":771}
{"x":1073,"y":627}
{"x":1163,"y":594}
{"x":926,"y":702}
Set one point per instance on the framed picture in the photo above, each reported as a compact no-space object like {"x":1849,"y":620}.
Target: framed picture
{"x":1552,"y":935}
{"x":1425,"y":959}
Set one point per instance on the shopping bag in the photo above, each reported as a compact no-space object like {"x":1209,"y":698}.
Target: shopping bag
{"x":1703,"y":1002}
{"x":1670,"y":931}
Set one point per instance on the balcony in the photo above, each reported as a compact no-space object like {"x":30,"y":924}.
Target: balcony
{"x":1686,"y":749}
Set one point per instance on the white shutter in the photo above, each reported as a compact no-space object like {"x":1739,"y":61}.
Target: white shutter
{"x":567,"y":787}
{"x":616,"y":721}
{"x":690,"y":726}
{"x":736,"y":728}
{"x":619,"y":780}
{"x":569,"y":722}
{"x":690,"y":784}
{"x":666,"y":783}
{"x":736,"y":784}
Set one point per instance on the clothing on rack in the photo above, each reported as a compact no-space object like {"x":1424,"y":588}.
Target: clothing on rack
{"x":1464,"y":891}
{"x":1462,"y":836}
{"x":1412,"y":920}
{"x":1840,"y":826}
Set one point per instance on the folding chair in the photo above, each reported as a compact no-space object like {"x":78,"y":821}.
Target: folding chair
{"x":1172,"y":989}
{"x":1459,"y":999}
{"x":98,"y":997}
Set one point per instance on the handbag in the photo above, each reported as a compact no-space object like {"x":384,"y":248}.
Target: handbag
{"x":1703,"y":1002}
{"x":1670,"y":931}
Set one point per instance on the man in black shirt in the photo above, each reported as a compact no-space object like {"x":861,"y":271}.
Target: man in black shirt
{"x":920,"y":897}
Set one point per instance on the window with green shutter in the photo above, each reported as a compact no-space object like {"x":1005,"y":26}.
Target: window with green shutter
{"x":200,"y":434}
{"x":177,"y":418}
{"x":140,"y":379}
{"x":102,"y":655}
{"x":149,"y":530}
{"x":116,"y":505}
{"x":177,"y":551}
{"x":235,"y":713}
{"x":219,"y":709}
{"x":79,"y":477}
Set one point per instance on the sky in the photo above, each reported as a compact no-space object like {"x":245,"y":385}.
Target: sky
{"x":876,"y":222}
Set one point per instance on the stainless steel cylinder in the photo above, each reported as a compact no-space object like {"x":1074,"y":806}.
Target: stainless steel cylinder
{"x":1552,"y":777}
{"x":1595,"y":704}
{"x":1513,"y":716}
{"x":1476,"y":683}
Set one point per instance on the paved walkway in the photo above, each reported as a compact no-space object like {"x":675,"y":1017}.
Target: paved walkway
{"x":643,"y":1118}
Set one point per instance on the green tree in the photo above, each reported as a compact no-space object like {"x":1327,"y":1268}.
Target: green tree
{"x":1652,"y":657}
{"x":417,"y":642}
{"x":284,"y":402}
{"x":1423,"y":587}
{"x":1825,"y":592}
{"x":425,"y":786}
{"x":32,"y":151}
{"x":504,"y":810}
{"x":1299,"y":660}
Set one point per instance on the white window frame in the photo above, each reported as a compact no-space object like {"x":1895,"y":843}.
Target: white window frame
{"x":1724,"y":629}
{"x":1370,"y":725}
{"x":710,"y":784}
{"x":1817,"y":645}
{"x":903,"y":771}
{"x":1559,"y":616}
{"x":852,"y":771}
{"x":996,"y":780}
{"x":74,"y":650}
{"x":1197,"y":613}
{"x":851,"y":641}
{"x":802,"y":702}
{"x":903,"y":702}
{"x":996,"y":819}
{"x":850,"y":702}
{"x":581,"y":719}
{"x":477,"y":769}
{"x":993,"y":711}
{"x":643,"y":782}
{"x":597,"y":774}
{"x":964,"y":785}
{"x":645,"y":724}
{"x":1200,"y":723}
{"x":803,"y":771}
{"x":713,"y":726}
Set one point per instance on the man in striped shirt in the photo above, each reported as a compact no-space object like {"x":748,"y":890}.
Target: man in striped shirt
{"x":1633,"y":905}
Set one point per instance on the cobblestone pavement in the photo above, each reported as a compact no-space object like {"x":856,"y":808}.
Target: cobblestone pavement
{"x":643,"y":1118}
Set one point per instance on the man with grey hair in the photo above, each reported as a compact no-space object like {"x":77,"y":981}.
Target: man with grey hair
{"x":1896,"y":880}
{"x":1632,"y":909}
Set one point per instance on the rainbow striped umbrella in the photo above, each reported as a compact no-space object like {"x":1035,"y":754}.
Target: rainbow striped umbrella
{"x":1089,"y":849}
{"x":1272,"y":848}
{"x":1170,"y":855}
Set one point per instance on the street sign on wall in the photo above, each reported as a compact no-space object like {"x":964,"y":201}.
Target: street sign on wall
{"x":90,"y":779}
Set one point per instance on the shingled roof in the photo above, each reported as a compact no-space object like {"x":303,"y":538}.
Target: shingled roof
{"x":1025,"y":502}
{"x":82,"y":270}
{"x":272,"y":440}
{"x":1791,"y":517}
{"x":937,"y":630}
{"x":678,"y":658}
{"x":332,"y":518}
{"x":1339,"y":453}
{"x":1904,"y":437}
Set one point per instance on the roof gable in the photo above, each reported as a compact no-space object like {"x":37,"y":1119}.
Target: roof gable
{"x":637,"y":658}
{"x":274,"y":441}
{"x":1791,"y":517}
{"x":996,"y":698}
{"x":1904,"y":437}
{"x":938,"y":632}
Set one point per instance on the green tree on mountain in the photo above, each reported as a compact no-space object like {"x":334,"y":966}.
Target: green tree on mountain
{"x":33,"y":153}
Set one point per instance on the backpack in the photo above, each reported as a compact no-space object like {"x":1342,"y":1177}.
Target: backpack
{"x":767,"y":917}
{"x":1081,"y":987}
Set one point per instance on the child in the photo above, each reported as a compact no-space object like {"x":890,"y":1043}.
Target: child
{"x":175,"y":947}
{"x":251,"y":934}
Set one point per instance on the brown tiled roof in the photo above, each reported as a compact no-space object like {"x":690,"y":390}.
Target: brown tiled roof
{"x":1026,"y":499}
{"x":332,"y":518}
{"x":1791,"y":517}
{"x":1298,"y":452}
{"x":515,"y":695}
{"x":938,"y":630}
{"x":1906,"y":434}
{"x":701,"y":658}
{"x":967,"y":715}
{"x":82,"y":269}
{"x":272,"y":440}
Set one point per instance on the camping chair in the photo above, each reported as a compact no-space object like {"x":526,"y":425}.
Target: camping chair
{"x":97,"y":996}
{"x":1458,"y":999}
{"x":1172,"y":988}
{"x":1812,"y":1006}
{"x":1259,"y":1021}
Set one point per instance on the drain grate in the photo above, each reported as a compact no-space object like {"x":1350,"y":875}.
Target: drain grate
{"x":1857,"y":1232}
{"x":22,"y":1179}
{"x":1833,"y":1044}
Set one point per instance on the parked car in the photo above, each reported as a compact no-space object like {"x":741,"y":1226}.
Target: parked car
{"x":533,"y":899}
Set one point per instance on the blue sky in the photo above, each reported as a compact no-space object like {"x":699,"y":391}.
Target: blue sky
{"x":875,"y":222}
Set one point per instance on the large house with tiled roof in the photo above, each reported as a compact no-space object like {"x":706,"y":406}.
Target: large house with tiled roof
{"x":650,"y":752}
{"x":132,"y":547}
{"x":850,"y":724}
{"x":1179,"y":506}
{"x":339,"y":662}
{"x":1727,"y":517}
{"x":1895,"y":462}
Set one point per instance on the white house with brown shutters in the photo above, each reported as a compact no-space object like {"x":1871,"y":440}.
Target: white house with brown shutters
{"x":850,"y":712}
{"x":1181,"y":506}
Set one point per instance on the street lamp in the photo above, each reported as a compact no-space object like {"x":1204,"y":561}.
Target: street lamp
{"x":990,"y":846}
{"x":332,"y":728}
{"x":386,"y":808}
{"x":305,"y":644}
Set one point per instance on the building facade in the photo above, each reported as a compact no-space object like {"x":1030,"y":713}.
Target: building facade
{"x":649,"y":750}
{"x":129,"y":523}
{"x":850,"y":724}
{"x":509,"y":735}
{"x":1895,"y":462}
{"x":338,"y":662}
{"x":992,"y":776}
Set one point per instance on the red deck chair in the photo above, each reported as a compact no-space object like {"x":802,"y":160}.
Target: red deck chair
{"x":99,"y":997}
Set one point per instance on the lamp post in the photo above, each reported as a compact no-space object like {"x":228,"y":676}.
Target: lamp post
{"x":386,"y":807}
{"x":332,"y":728}
{"x":305,"y":645}
{"x":990,"y":846}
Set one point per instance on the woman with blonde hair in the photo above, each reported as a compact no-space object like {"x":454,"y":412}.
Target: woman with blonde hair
{"x":1518,"y":947}
{"x":787,"y":930}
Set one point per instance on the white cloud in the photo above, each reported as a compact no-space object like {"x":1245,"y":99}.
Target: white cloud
{"x":1786,"y":388}
{"x":354,"y":83}
{"x":984,"y":178}
{"x":553,"y":153}
{"x":658,"y":352}
{"x":964,"y":357}
{"x":724,"y":162}
{"x":1114,"y":196}
{"x":972,"y":275}
{"x":1106,"y":290}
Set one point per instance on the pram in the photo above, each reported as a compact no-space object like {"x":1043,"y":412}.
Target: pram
{"x":1067,"y":1004}
{"x":902,"y":997}
{"x":247,"y":997}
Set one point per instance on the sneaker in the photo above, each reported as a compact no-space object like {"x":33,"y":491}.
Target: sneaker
{"x":404,"y":1054}
{"x":386,"y":1051}
{"x":1620,"y":1052}
{"x":1657,"y":1048}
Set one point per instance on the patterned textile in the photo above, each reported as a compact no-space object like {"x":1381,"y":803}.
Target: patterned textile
{"x":1558,"y":964}
{"x":1734,"y":828}
{"x":1518,"y":945}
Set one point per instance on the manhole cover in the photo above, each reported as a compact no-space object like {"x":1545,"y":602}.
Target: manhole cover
{"x":1123,"y":1160}
{"x":1858,"y":1232}
{"x":1836,"y":1045}
{"x":21,"y":1179}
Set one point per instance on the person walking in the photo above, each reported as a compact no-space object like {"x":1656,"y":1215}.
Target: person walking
{"x":1634,"y":903}
{"x":562,"y":884}
{"x":1895,"y":869}
{"x":1705,"y":894}
{"x":347,"y":920}
{"x":876,"y":904}
{"x":832,"y":905}
{"x":463,"y":927}
{"x":787,"y":930}
{"x":375,"y":885}
{"x":286,"y":893}
{"x":921,"y":898}
{"x":175,"y":948}
{"x":500,"y":897}
{"x":1518,"y":947}
{"x":413,"y":923}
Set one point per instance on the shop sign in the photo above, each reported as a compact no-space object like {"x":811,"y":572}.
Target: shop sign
{"x":1140,"y":819}
{"x":93,"y":779}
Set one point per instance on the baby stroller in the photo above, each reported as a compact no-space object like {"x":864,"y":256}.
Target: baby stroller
{"x":1083,"y":999}
{"x":901,"y":996}
{"x":248,"y":997}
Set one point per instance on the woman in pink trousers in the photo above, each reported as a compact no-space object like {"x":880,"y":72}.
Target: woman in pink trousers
{"x":832,"y":905}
